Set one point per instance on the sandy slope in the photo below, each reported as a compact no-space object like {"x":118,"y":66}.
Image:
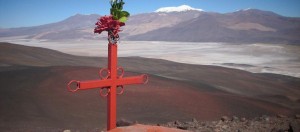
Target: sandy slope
{"x":37,"y":97}
{"x":33,"y":93}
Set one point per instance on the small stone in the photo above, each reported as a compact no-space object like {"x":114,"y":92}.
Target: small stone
{"x":224,"y":118}
{"x":281,"y":116}
{"x":209,"y":126}
{"x":214,"y":122}
{"x":182,"y":127}
{"x":123,"y":122}
{"x":265,"y":118}
{"x":243,"y":119}
{"x":194,"y":120}
{"x":224,"y":127}
{"x":220,"y":122}
{"x":189,"y":123}
{"x":216,"y":130}
{"x":169,"y":124}
{"x":176,"y":122}
{"x":297,"y":116}
{"x":249,"y":123}
{"x":274,"y":130}
{"x":235,"y":118}
{"x":67,"y":131}
{"x":257,"y":119}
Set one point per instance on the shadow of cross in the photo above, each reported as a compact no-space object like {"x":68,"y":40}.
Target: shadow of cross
{"x":110,"y":82}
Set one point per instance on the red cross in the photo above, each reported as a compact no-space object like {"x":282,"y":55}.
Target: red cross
{"x":111,"y":81}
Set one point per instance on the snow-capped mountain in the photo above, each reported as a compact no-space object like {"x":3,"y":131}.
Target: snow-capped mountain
{"x":181,"y":8}
{"x":245,"y":26}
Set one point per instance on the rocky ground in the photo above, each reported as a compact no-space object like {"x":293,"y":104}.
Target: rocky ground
{"x":280,"y":123}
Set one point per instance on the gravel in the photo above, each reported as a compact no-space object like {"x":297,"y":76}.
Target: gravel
{"x":280,"y":123}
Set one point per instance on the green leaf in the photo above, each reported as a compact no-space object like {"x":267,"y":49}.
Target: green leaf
{"x":115,"y":18}
{"x":123,"y":19}
{"x":113,"y":11}
{"x":118,"y":14}
{"x":116,"y":11}
{"x":125,"y":13}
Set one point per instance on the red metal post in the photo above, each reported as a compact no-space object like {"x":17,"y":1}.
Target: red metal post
{"x":112,"y":81}
{"x":112,"y":99}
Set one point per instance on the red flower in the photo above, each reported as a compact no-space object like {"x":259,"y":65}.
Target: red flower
{"x":107,"y":23}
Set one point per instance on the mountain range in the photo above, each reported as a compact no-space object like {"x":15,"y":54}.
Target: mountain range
{"x":184,"y":24}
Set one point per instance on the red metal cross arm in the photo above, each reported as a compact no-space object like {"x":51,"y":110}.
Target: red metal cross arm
{"x":112,"y":81}
{"x":109,"y":82}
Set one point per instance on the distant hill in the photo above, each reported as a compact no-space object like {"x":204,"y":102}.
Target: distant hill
{"x":191,"y":25}
{"x":77,"y":26}
{"x":244,"y":26}
{"x":19,"y":55}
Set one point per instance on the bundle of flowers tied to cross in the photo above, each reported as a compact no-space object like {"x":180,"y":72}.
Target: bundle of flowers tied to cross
{"x":113,"y":22}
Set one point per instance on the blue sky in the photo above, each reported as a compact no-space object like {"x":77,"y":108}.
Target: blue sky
{"x":22,"y":13}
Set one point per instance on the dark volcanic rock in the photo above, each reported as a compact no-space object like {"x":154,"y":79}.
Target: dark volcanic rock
{"x":124,"y":123}
{"x":225,"y":118}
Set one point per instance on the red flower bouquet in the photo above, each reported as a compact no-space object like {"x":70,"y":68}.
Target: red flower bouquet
{"x":107,"y":23}
{"x":114,"y":22}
